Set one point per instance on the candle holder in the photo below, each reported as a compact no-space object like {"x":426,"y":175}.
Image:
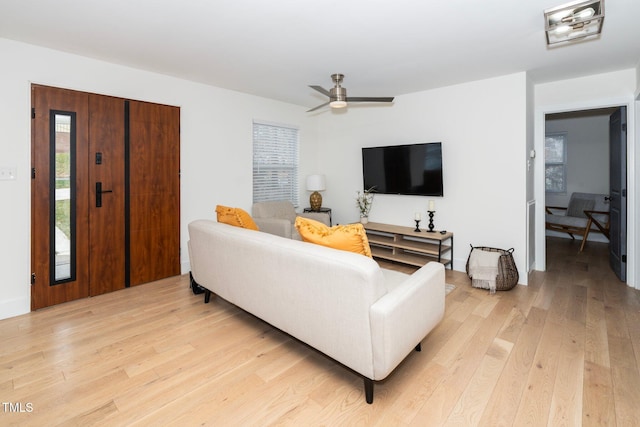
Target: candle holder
{"x":431,"y":221}
{"x":417,"y":226}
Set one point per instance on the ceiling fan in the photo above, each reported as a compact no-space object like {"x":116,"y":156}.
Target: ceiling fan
{"x":338,"y":95}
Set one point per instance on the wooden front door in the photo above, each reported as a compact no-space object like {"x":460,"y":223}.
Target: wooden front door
{"x":77,"y":147}
{"x":105,"y":194}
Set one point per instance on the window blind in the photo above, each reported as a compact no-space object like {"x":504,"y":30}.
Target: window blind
{"x":275,"y":163}
{"x":555,"y":155}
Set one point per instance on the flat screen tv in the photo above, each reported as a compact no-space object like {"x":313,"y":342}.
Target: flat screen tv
{"x":413,"y":169}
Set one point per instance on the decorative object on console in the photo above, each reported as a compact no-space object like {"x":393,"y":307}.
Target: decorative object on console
{"x":431,"y":212}
{"x":316,"y":183}
{"x":364,"y":201}
{"x":578,"y":20}
{"x":417,"y":219}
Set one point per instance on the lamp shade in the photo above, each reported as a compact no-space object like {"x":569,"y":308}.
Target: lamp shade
{"x":316,"y":183}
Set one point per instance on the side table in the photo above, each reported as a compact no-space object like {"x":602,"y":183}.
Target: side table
{"x":325,"y":210}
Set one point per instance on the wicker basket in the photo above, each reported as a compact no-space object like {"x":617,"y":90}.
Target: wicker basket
{"x":507,"y":271}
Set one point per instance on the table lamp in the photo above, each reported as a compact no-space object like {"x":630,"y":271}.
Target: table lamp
{"x":315,"y":183}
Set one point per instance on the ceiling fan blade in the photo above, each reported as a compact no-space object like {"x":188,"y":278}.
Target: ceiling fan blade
{"x":370,"y":99}
{"x":321,"y":90}
{"x":318,"y":107}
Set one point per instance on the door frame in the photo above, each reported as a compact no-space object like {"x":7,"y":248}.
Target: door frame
{"x":632,"y":159}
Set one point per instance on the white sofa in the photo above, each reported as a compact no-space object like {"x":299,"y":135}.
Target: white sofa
{"x":341,"y":303}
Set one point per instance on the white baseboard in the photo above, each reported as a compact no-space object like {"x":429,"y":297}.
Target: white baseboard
{"x":14,"y":307}
{"x":185,"y":267}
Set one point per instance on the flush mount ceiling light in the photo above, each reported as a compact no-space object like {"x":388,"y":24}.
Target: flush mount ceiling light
{"x":574,"y":21}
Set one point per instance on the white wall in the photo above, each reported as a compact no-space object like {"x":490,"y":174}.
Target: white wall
{"x":483,"y":128}
{"x":602,"y":90}
{"x":216,"y":150}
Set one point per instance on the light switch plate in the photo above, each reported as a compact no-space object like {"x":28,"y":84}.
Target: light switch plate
{"x":7,"y":173}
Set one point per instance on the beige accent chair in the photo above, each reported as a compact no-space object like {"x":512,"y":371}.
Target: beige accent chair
{"x":278,"y":217}
{"x":586,"y":213}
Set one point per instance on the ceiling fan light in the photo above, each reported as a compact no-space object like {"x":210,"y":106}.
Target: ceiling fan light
{"x":338,"y":104}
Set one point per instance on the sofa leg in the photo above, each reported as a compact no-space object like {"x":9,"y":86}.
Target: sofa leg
{"x":368,"y":390}
{"x":419,"y":347}
{"x":195,"y":288}
{"x":207,"y":296}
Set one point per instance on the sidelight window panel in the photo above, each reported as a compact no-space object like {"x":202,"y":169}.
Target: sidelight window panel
{"x":62,"y":236}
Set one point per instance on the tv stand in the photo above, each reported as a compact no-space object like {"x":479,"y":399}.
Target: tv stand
{"x":406,"y":246}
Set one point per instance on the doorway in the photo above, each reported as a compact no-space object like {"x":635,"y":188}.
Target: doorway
{"x":592,"y":163}
{"x":105,"y":194}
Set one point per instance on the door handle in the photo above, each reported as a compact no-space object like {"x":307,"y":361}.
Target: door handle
{"x":99,"y":192}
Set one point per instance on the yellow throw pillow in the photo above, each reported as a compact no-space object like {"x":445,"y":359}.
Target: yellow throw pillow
{"x":350,"y":237}
{"x":235,"y":216}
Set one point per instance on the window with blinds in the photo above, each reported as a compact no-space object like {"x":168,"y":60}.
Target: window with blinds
{"x":555,"y":162}
{"x":275,"y":163}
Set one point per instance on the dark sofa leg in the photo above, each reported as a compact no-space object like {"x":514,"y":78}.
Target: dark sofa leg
{"x":368,"y":390}
{"x":207,"y":296}
{"x":419,"y":347}
{"x":195,"y":288}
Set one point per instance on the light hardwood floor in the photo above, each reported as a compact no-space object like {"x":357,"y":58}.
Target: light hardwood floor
{"x":563,"y":351}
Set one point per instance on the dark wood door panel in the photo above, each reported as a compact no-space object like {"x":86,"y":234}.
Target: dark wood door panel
{"x":107,"y":221}
{"x":154,"y":156}
{"x":44,"y":100}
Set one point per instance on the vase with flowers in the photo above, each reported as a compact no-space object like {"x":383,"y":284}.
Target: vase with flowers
{"x":364,"y":201}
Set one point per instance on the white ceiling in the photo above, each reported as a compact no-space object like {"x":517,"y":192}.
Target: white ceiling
{"x":277,"y":48}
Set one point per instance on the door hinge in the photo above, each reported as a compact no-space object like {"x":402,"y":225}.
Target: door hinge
{"x":33,"y":173}
{"x":33,"y":279}
{"x":624,"y":127}
{"x":623,"y":258}
{"x":33,"y":113}
{"x":624,"y":192}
